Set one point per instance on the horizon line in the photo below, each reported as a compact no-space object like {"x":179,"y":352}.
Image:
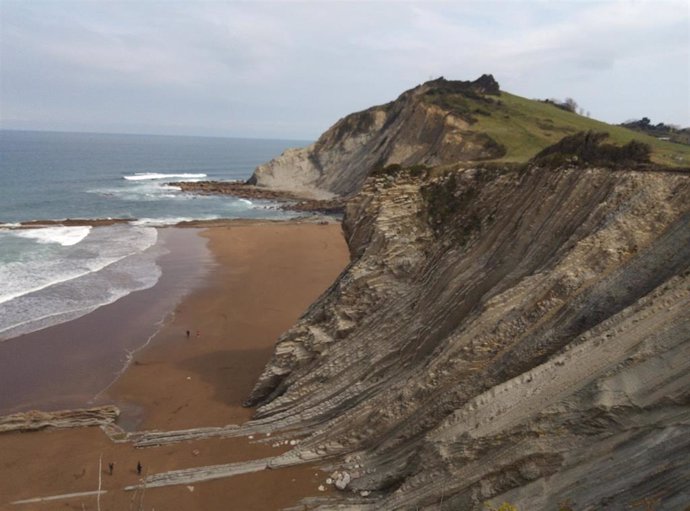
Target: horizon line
{"x":80,"y":132}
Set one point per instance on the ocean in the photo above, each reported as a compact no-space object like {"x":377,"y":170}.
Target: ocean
{"x":53,"y":274}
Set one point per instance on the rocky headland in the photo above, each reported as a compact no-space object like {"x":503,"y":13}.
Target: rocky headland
{"x":417,"y":128}
{"x":506,"y":332}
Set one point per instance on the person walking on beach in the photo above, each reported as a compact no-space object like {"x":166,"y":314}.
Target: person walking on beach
{"x":188,"y":334}
{"x":111,"y":466}
{"x":139,"y":467}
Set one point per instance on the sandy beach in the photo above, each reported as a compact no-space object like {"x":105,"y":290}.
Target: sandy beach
{"x":250,"y":282}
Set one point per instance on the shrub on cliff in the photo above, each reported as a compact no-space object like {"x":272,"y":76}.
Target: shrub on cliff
{"x":569,"y":104}
{"x":661,"y":131}
{"x":394,"y":169}
{"x":386,"y":170}
{"x":587,"y":148}
{"x":448,"y":210}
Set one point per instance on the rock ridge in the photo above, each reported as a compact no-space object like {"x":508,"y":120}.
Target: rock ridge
{"x":34,"y":420}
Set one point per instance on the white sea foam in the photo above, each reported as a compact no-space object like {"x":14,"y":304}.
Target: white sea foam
{"x":65,"y":236}
{"x":247,"y":202}
{"x":143,"y":190}
{"x":146,"y":176}
{"x":162,"y":222}
{"x":74,"y":298}
{"x":40,"y":270}
{"x":60,"y":284}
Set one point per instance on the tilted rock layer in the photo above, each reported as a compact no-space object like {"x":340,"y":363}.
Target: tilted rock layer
{"x":35,"y":420}
{"x":516,"y":334}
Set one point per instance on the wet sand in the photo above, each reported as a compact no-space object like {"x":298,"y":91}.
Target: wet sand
{"x":267,"y":276}
{"x":65,"y":365}
{"x":262,"y":278}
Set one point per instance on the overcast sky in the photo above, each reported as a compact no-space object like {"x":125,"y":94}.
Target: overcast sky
{"x":291,"y":69}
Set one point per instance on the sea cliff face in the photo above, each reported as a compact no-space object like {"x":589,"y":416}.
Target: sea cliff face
{"x":413,"y":129}
{"x":505,"y":332}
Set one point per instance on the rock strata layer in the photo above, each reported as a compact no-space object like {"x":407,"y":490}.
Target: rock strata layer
{"x":414,"y":129}
{"x":35,"y":420}
{"x":516,"y":334}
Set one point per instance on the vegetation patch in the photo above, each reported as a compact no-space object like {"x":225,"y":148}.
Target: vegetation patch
{"x":395,"y":169}
{"x":463,"y":98}
{"x":660,"y":131}
{"x":524,"y":127}
{"x":569,"y":104}
{"x":448,"y":208}
{"x":588,"y":148}
{"x":456,"y":104}
{"x":489,"y":148}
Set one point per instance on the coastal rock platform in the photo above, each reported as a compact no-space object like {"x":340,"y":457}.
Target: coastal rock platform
{"x":35,"y":420}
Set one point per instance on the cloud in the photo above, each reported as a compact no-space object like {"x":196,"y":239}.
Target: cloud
{"x":293,"y":68}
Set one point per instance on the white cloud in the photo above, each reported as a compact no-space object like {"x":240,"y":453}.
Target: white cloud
{"x":292,"y":69}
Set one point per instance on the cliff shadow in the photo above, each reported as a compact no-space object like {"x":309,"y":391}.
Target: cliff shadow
{"x":231,"y":373}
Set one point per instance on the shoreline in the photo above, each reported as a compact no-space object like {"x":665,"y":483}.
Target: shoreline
{"x":83,"y":356}
{"x":193,"y":281}
{"x":266,"y":275}
{"x":180,"y":242}
{"x":262,"y":277}
{"x":309,"y":216}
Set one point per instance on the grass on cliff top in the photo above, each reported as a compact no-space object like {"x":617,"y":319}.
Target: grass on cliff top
{"x":526,"y":126}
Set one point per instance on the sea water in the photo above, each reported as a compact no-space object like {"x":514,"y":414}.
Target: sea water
{"x":53,"y":274}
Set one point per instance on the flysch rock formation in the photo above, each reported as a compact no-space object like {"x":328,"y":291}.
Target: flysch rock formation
{"x":410,"y":130}
{"x":512,"y":334}
{"x":34,"y":420}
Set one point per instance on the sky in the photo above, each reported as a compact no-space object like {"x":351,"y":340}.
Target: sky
{"x":289,"y":70}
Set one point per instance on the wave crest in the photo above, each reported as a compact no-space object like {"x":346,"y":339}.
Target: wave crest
{"x":65,"y":236}
{"x":107,"y":246}
{"x":147,"y":176}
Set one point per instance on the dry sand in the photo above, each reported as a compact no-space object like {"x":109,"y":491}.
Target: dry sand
{"x":264,"y":277}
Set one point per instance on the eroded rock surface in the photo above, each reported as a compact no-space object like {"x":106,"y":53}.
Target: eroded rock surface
{"x":413,"y":129}
{"x":35,"y":420}
{"x":501,"y":334}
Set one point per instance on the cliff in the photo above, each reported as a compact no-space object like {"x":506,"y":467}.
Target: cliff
{"x":503,"y":333}
{"x":437,"y":123}
{"x":413,"y":129}
{"x":513,"y":324}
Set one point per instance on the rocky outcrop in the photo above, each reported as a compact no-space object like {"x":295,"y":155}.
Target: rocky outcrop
{"x":417,"y":128}
{"x":75,"y":222}
{"x":502,"y":334}
{"x":35,"y":420}
{"x":286,"y":200}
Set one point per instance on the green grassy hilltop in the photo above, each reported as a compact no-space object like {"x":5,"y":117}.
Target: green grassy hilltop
{"x":525,"y":127}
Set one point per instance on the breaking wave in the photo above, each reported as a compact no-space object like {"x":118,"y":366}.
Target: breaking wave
{"x":47,"y":282}
{"x":147,"y":176}
{"x":65,"y":236}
